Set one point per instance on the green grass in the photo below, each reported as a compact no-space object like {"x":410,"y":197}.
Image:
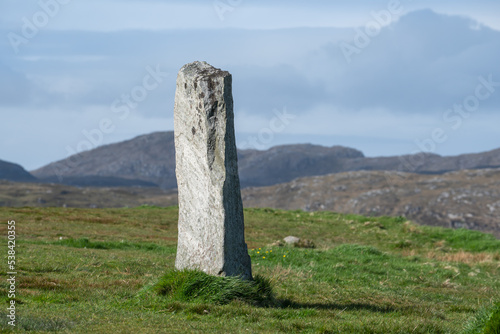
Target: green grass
{"x":111,"y":270}
{"x":492,"y":326}
{"x":486,"y":321}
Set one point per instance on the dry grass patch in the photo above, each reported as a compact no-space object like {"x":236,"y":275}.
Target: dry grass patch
{"x":464,"y":257}
{"x":42,"y":283}
{"x":458,"y":256}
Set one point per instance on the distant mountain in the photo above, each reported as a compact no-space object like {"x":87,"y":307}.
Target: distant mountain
{"x":14,"y":172}
{"x":151,"y":158}
{"x":461,"y":199}
{"x":285,"y":163}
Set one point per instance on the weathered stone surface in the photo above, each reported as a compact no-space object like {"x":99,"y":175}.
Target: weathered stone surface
{"x":211,"y":227}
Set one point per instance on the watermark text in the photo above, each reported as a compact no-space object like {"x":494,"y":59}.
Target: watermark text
{"x":11,"y":272}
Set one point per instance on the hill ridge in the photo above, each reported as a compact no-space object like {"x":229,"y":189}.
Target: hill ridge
{"x":14,"y":172}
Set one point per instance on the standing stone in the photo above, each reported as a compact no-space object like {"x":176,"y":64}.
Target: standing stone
{"x":211,"y":229}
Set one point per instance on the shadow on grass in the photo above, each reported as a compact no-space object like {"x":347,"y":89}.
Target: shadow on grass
{"x":29,"y":324}
{"x":287,"y":303}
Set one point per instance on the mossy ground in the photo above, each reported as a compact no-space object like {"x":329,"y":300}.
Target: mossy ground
{"x":93,"y":270}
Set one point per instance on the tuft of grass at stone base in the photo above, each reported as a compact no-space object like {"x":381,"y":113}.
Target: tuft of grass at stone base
{"x":194,"y":285}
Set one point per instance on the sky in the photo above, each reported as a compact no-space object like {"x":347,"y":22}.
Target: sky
{"x":385,"y":77}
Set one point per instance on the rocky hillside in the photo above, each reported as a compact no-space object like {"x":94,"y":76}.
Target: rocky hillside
{"x":467,"y":198}
{"x":285,"y":163}
{"x":151,"y":158}
{"x":14,"y":172}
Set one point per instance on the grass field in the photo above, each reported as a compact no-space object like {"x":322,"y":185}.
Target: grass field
{"x":91,"y":271}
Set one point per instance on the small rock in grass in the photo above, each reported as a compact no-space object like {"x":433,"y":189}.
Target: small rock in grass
{"x":298,"y":242}
{"x":291,"y":240}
